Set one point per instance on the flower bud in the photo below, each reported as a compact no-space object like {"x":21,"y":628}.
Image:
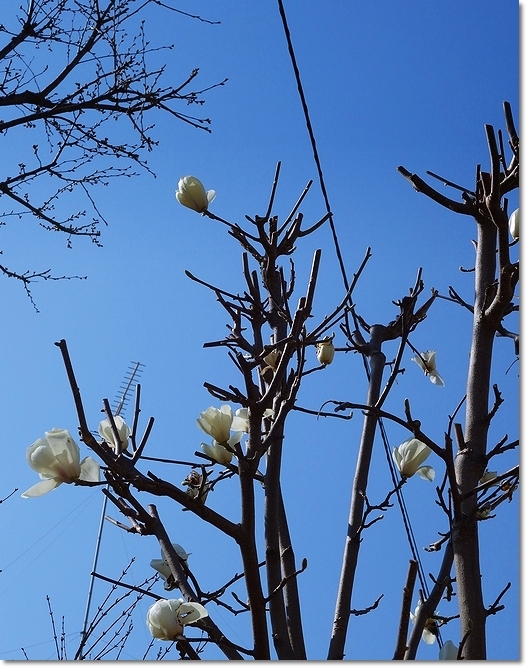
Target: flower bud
{"x":325,"y":351}
{"x":514,"y":224}
{"x":192,"y":194}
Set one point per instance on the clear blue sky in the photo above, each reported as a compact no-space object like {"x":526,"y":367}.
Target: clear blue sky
{"x":388,"y":83}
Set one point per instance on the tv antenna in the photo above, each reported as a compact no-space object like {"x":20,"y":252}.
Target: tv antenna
{"x":119,"y":406}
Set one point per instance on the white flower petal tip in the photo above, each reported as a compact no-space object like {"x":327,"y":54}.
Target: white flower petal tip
{"x":41,"y":488}
{"x":192,"y":194}
{"x":514,"y":224}
{"x":426,"y":473}
{"x":427,"y":362}
{"x":448,"y":652}
{"x":56,"y":458}
{"x":428,"y":637}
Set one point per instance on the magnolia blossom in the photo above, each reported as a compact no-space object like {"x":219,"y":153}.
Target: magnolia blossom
{"x":409,"y":456}
{"x":220,"y":453}
{"x":240,"y":421}
{"x":106,"y":433}
{"x":56,"y":458}
{"x":427,"y":362}
{"x":514,"y":224}
{"x":448,"y":652}
{"x":217,"y":423}
{"x":192,"y":194}
{"x":430,"y":628}
{"x":325,"y":351}
{"x":162,"y":567}
{"x":167,"y":617}
{"x":272,"y":360}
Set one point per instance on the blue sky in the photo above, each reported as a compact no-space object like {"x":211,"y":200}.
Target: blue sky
{"x":406,"y":83}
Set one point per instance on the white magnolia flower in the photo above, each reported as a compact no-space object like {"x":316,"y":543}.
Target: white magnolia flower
{"x":192,"y":194}
{"x":56,"y":458}
{"x":448,"y":652}
{"x":167,"y":617}
{"x":272,"y":360}
{"x":514,"y":224}
{"x":427,"y":362}
{"x":240,"y":421}
{"x":162,"y":567}
{"x":325,"y":351}
{"x":217,"y":422}
{"x":124,"y":431}
{"x":408,"y":458}
{"x":430,"y":628}
{"x":220,"y":453}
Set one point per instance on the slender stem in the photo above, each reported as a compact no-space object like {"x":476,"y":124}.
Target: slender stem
{"x":353,"y":538}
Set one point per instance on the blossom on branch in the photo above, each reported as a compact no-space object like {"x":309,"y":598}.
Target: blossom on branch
{"x":162,"y":567}
{"x":427,"y":362}
{"x":217,"y":423}
{"x":218,"y":452}
{"x":240,"y":421}
{"x":106,"y":433}
{"x":192,"y":194}
{"x":325,"y":351}
{"x":408,"y":458}
{"x":167,"y":617}
{"x":430,"y":629}
{"x":56,"y":458}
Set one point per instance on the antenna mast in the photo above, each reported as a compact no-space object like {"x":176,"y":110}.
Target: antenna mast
{"x":119,"y":406}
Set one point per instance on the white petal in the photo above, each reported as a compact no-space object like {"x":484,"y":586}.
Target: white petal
{"x":42,"y":488}
{"x":90,"y":470}
{"x":428,"y":637}
{"x":436,"y":379}
{"x":448,"y":652}
{"x":211,"y":194}
{"x":191,"y":612}
{"x":426,"y":473}
{"x":161,"y":566}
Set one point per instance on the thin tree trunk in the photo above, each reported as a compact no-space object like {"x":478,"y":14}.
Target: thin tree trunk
{"x":353,"y":539}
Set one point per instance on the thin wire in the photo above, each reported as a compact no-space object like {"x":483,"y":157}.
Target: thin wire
{"x":313,"y":141}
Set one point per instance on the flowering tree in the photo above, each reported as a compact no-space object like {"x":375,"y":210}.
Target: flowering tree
{"x":271,"y":343}
{"x":59,"y":128}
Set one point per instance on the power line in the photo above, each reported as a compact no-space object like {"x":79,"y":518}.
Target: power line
{"x":312,"y":140}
